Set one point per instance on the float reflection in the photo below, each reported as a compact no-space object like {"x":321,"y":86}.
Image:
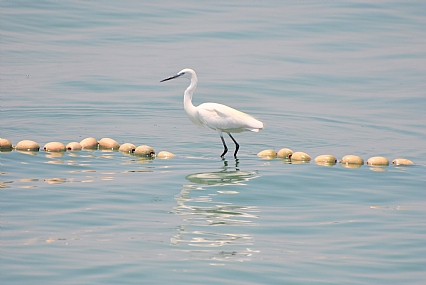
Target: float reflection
{"x":215,"y":220}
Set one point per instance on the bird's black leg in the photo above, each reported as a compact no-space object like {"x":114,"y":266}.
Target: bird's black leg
{"x":225,"y":148}
{"x":237,"y":146}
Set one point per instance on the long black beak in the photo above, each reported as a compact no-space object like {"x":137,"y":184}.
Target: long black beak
{"x":171,"y":77}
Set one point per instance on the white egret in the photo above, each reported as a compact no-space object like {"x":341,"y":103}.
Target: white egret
{"x":215,"y":116}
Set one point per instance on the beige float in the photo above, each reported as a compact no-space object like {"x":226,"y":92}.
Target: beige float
{"x":27,"y":145}
{"x":89,"y":143}
{"x":402,"y":161}
{"x":300,"y":156}
{"x":377,"y":161}
{"x":285,"y":153}
{"x":108,"y":143}
{"x":73,"y":146}
{"x":165,"y":155}
{"x":54,"y":146}
{"x":127,"y":147}
{"x":5,"y":144}
{"x":352,"y":160}
{"x":145,"y":150}
{"x":325,"y":159}
{"x":267,"y":153}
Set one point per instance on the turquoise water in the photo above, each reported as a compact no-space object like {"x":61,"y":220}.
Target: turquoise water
{"x":336,"y":77}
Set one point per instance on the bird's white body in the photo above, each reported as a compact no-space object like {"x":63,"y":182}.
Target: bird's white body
{"x":221,"y":117}
{"x":215,"y":116}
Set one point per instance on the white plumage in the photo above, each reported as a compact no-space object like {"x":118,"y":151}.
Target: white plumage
{"x":216,"y":116}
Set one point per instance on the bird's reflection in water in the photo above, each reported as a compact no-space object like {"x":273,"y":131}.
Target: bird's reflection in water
{"x":215,"y":219}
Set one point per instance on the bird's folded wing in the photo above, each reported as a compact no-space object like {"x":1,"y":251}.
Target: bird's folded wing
{"x":218,"y":116}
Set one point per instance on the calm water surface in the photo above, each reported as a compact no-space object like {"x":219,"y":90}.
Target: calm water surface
{"x":336,"y":77}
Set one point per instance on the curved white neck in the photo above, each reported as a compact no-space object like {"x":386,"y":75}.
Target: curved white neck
{"x":187,"y":98}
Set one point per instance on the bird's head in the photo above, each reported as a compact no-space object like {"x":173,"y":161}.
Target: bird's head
{"x":184,"y":73}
